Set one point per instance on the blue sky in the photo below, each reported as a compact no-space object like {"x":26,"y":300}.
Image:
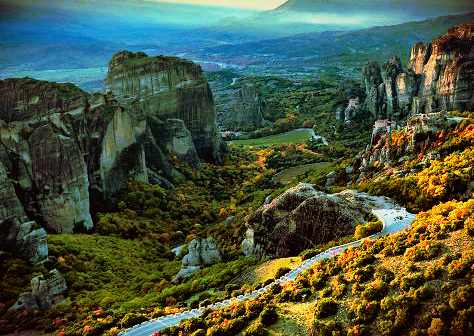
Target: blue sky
{"x":250,"y":4}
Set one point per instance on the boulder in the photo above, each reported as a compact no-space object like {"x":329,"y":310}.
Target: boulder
{"x":201,"y":253}
{"x":303,"y":217}
{"x":26,"y":240}
{"x":46,"y":291}
{"x":49,"y":289}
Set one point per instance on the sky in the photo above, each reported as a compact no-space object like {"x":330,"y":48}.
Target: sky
{"x":250,"y":4}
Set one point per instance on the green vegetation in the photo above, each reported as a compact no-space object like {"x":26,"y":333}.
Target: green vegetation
{"x":299,"y":136}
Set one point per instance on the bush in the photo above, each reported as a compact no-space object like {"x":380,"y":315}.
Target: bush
{"x":326,"y":307}
{"x":366,"y":230}
{"x":268,"y":316}
{"x":436,"y":328}
{"x":413,"y":280}
{"x":131,"y":319}
{"x":461,"y":297}
{"x":255,"y":329}
{"x":326,"y":328}
{"x":282,"y":271}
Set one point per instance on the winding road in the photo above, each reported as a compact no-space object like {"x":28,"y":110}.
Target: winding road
{"x":393,"y":218}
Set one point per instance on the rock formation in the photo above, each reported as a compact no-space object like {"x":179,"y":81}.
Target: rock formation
{"x":46,"y":291}
{"x":65,"y":153}
{"x":372,"y":81}
{"x":299,"y":219}
{"x":26,"y":240}
{"x":420,"y":130}
{"x":440,"y":78}
{"x":168,"y":88}
{"x":245,"y":111}
{"x":201,"y":253}
{"x":446,"y":71}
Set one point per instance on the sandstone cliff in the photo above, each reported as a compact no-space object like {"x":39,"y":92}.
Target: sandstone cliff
{"x":440,"y":77}
{"x":168,"y":87}
{"x":446,"y":70}
{"x":245,"y":110}
{"x":65,"y":153}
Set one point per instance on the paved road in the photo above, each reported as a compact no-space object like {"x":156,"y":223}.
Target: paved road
{"x":393,"y":217}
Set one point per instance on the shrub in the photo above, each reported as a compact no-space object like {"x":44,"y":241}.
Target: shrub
{"x":366,"y":311}
{"x":461,"y":298}
{"x":462,"y":322}
{"x":413,"y":280}
{"x":326,"y":328}
{"x":425,"y":250}
{"x":326,"y":307}
{"x":255,"y":329}
{"x":459,"y":268}
{"x":131,"y":319}
{"x":375,"y":290}
{"x":436,"y":328}
{"x":281,"y":272}
{"x":366,"y":230}
{"x":268,"y":316}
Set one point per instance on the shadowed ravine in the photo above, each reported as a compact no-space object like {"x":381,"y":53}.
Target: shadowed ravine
{"x":393,"y":218}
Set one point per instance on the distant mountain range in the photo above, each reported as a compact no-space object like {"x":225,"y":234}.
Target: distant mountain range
{"x":338,"y":48}
{"x":423,"y":8}
{"x":303,"y":16}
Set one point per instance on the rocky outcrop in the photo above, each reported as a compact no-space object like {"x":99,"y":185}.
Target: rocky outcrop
{"x":446,"y":70}
{"x":303,"y":217}
{"x":25,"y":240}
{"x":245,"y":111}
{"x":201,"y":253}
{"x":65,"y":153}
{"x":46,"y":291}
{"x":372,"y":82}
{"x":168,"y":88}
{"x":418,"y":133}
{"x":440,"y":77}
{"x":41,"y":154}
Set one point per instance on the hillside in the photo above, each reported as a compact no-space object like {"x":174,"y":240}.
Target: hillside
{"x":337,"y":207}
{"x":341,"y":50}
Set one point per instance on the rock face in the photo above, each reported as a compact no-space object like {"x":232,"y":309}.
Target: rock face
{"x":246,"y":110}
{"x":446,"y":71}
{"x":168,"y":88}
{"x":26,"y":240}
{"x":372,"y":81}
{"x":201,"y":252}
{"x":65,"y":153}
{"x":301,"y":218}
{"x":46,"y":291}
{"x":420,"y":130}
{"x":440,"y":78}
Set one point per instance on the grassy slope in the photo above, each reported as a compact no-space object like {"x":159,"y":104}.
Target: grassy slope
{"x":298,"y":136}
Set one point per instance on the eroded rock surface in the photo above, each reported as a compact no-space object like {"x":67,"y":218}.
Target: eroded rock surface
{"x":439,"y":77}
{"x":245,"y":110}
{"x":66,"y":153}
{"x":303,"y":217}
{"x":446,"y":70}
{"x":46,"y":291}
{"x":168,"y":88}
{"x":201,"y":253}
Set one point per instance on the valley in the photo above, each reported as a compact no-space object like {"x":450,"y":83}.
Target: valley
{"x":172,"y":169}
